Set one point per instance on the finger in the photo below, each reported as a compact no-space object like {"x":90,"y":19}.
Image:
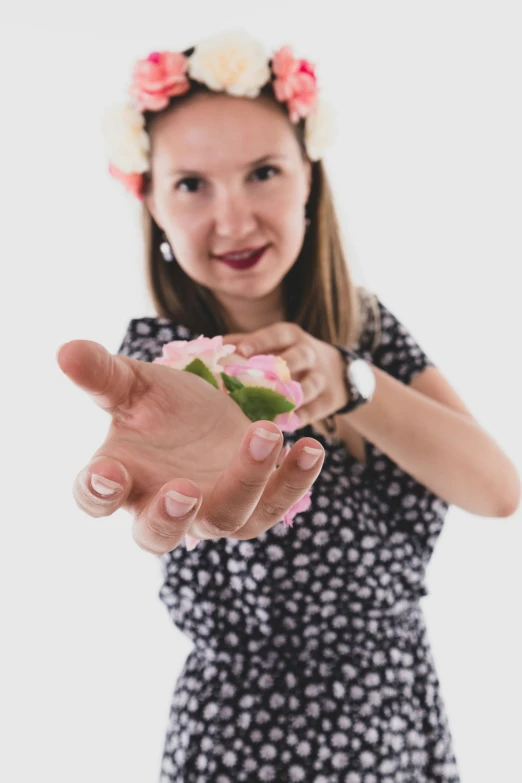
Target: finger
{"x":270,"y":339}
{"x":304,"y":417}
{"x":315,"y":410}
{"x":238,"y":490}
{"x":300,"y":358}
{"x":234,"y":338}
{"x":192,"y":540}
{"x":102,"y":487}
{"x":161,"y":526}
{"x":281,"y":489}
{"x":105,"y":485}
{"x":282,"y":455}
{"x":285,"y":487}
{"x":109,"y":380}
{"x":312,"y":385}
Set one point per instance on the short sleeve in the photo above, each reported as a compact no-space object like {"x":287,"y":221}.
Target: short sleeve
{"x":145,"y":337}
{"x":395,"y":349}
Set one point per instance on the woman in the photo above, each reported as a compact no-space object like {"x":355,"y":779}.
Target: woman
{"x":311,"y":658}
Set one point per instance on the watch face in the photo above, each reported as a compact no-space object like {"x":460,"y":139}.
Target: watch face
{"x":361,"y":375}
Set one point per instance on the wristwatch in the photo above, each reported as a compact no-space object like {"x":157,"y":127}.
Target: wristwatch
{"x":360,"y":380}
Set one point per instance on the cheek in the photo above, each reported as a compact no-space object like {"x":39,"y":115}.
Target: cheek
{"x":188,"y":230}
{"x":286,"y":215}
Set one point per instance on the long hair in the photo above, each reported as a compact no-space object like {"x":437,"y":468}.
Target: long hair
{"x":318,"y":291}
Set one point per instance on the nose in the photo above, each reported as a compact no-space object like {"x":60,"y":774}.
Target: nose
{"x":234,"y":217}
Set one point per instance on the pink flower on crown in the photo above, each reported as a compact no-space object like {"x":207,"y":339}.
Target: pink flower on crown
{"x":157,"y":78}
{"x":295,"y":83}
{"x":131,"y":182}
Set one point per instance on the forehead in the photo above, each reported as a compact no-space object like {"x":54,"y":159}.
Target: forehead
{"x":212,"y":130}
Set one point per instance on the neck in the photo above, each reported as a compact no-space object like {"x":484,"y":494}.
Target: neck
{"x":249,"y":315}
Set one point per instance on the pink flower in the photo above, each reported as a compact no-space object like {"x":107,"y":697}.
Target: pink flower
{"x":131,"y":182}
{"x":179,"y":353}
{"x":302,"y":505}
{"x":271,"y":372}
{"x":266,"y":370}
{"x":157,"y":78}
{"x":295,"y":83}
{"x":191,"y":542}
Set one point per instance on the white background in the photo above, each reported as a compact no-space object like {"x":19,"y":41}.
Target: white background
{"x":427,"y":170}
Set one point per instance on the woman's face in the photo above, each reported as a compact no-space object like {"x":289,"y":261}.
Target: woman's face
{"x":227,"y":176}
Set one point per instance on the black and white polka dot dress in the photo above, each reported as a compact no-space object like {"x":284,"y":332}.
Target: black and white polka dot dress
{"x":311,"y":660}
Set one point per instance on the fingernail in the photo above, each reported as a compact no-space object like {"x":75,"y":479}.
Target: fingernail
{"x":308,"y":457}
{"x":262,"y":443}
{"x":246,"y":350}
{"x":104,"y":486}
{"x":177,"y":505}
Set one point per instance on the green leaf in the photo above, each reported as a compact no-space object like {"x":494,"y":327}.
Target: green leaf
{"x":232,"y":384}
{"x":198,"y":367}
{"x":257,"y":402}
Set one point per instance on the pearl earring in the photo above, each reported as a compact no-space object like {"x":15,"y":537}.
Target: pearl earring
{"x":166,"y":250}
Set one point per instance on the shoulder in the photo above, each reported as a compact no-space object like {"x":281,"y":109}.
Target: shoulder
{"x":380,"y":324}
{"x":394,"y":348}
{"x":370,"y":317}
{"x":162,"y":329}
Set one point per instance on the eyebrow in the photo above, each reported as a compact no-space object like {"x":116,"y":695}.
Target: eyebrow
{"x":253,"y":164}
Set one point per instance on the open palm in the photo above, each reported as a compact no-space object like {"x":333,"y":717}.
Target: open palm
{"x":171,"y":430}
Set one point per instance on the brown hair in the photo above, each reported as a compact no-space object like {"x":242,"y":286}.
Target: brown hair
{"x":318,"y":292}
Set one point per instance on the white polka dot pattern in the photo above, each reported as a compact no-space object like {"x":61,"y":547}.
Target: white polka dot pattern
{"x":311,"y":660}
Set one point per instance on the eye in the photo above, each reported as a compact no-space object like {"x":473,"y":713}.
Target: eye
{"x":266,"y":172}
{"x":190,"y":182}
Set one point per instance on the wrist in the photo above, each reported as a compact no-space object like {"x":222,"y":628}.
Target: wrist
{"x":359,"y":381}
{"x":342,"y":395}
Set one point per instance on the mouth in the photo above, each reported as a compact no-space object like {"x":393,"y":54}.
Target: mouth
{"x":243,"y":260}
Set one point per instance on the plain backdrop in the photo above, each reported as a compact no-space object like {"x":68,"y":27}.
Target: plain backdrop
{"x":427,"y":171}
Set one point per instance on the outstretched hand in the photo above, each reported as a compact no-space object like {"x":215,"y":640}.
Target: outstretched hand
{"x":172,"y":431}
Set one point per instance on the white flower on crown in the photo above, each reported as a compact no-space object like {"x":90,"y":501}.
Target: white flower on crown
{"x":319,"y":130}
{"x":232,"y":62}
{"x":127,"y":142}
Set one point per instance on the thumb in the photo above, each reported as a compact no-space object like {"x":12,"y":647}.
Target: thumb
{"x":106,"y":378}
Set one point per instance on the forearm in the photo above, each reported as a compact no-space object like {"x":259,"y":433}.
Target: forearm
{"x":443,"y":449}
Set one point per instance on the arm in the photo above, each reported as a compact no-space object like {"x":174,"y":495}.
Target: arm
{"x":431,"y":435}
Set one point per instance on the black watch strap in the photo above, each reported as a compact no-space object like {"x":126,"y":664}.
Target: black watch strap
{"x":355,"y":399}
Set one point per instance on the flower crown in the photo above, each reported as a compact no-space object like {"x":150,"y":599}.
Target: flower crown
{"x":232,"y":63}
